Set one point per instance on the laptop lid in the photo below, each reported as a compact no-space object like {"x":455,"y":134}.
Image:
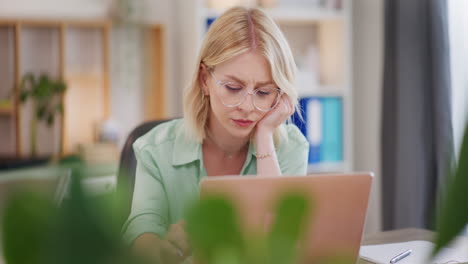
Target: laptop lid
{"x":336,"y":224}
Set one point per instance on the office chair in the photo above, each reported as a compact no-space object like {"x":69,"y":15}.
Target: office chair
{"x":127,"y":169}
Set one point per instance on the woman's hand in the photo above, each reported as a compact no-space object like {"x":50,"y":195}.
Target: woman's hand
{"x":275,"y":117}
{"x":178,"y":248}
{"x":267,"y":161}
{"x":174,"y":249}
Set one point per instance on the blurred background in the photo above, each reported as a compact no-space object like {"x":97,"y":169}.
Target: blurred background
{"x":124,"y":62}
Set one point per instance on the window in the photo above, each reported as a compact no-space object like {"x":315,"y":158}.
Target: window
{"x":458,"y":36}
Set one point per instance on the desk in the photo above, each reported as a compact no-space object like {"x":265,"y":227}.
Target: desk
{"x":395,"y":236}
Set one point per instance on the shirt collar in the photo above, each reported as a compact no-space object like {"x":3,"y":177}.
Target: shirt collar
{"x":185,"y":149}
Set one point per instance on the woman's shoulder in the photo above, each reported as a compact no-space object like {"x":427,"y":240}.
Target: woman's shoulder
{"x":294,"y":135}
{"x":161,"y":134}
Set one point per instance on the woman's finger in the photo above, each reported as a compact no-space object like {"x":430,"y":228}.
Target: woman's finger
{"x":172,"y":254}
{"x":178,"y":237}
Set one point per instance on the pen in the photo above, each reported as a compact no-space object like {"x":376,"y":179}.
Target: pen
{"x":400,"y":256}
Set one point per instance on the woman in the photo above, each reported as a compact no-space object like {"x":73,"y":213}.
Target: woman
{"x":235,"y":108}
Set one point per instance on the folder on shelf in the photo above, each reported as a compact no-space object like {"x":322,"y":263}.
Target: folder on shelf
{"x":314,"y":129}
{"x":332,"y":127}
{"x":323,"y":127}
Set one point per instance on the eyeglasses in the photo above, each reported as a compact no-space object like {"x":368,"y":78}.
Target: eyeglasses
{"x":233,"y":94}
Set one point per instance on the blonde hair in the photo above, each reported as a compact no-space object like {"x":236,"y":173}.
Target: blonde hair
{"x":236,"y":31}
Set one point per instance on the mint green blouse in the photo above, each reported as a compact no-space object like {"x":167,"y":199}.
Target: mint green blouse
{"x":169,"y":169}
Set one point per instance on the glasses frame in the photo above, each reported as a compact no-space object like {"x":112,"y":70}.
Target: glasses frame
{"x":252,"y":93}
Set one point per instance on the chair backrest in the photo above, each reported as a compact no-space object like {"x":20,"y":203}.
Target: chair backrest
{"x":127,"y":168}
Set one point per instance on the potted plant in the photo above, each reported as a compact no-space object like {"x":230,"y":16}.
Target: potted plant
{"x":38,"y":229}
{"x":45,"y":94}
{"x":452,"y":217}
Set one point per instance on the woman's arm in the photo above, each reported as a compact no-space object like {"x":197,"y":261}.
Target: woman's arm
{"x":267,"y":159}
{"x":146,"y":226}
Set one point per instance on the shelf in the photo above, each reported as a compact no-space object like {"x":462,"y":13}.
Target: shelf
{"x":299,"y":15}
{"x":47,"y":22}
{"x":6,"y":111}
{"x":303,"y":14}
{"x":328,"y":167}
{"x":322,"y":91}
{"x":56,"y":47}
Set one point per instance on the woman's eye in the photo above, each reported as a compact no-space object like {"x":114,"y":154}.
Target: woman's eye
{"x":260,"y":92}
{"x":233,"y":87}
{"x":265,"y":91}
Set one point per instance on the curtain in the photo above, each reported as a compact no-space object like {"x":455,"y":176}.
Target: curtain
{"x":416,"y":122}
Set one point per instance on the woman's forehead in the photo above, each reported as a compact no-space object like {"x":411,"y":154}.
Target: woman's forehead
{"x":246,"y":67}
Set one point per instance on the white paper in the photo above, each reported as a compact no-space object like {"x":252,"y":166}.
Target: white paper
{"x":383,"y":253}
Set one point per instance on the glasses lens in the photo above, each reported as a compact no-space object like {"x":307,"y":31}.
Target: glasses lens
{"x":266,"y":98}
{"x":231,"y":94}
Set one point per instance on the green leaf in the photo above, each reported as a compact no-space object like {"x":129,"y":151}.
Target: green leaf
{"x":41,"y":111}
{"x":80,"y":234}
{"x":213,"y":226}
{"x":453,"y":214}
{"x":28,"y":78}
{"x":337,"y":259}
{"x":60,"y":87}
{"x":227,"y":256}
{"x":59,"y":108}
{"x":27,"y":222}
{"x":292,"y":213}
{"x":23,"y":96}
{"x":50,"y":119}
{"x":43,"y":89}
{"x":80,"y":231}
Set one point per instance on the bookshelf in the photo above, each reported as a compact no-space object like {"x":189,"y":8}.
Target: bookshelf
{"x":321,"y":40}
{"x":74,"y":50}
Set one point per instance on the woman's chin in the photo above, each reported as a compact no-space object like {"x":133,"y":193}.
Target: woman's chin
{"x":241,"y":133}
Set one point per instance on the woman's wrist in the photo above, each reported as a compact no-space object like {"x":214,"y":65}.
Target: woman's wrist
{"x":263,"y":132}
{"x":264,"y":144}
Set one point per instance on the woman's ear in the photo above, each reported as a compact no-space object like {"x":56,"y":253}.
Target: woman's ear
{"x":203,"y":76}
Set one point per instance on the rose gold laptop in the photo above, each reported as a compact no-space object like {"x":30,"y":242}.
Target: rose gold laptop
{"x":336,"y":225}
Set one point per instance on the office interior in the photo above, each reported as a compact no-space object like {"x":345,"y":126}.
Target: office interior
{"x":127,"y":62}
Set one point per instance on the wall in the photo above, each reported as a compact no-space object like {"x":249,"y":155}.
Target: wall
{"x":127,"y":62}
{"x":368,"y":69}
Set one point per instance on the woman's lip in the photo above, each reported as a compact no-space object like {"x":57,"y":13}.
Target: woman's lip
{"x":242,"y":122}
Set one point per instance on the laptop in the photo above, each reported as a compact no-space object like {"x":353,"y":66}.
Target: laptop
{"x":334,"y":229}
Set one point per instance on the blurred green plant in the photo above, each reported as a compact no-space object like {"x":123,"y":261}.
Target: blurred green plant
{"x":452,"y":217}
{"x":83,"y":229}
{"x":47,"y":102}
{"x":217,"y":237}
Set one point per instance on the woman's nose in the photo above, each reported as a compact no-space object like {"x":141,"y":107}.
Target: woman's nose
{"x":247,"y":104}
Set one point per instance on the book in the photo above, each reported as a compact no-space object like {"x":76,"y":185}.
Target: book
{"x":322,"y":125}
{"x":332,"y":129}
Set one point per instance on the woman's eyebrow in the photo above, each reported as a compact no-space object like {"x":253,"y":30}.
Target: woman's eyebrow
{"x":234,"y":78}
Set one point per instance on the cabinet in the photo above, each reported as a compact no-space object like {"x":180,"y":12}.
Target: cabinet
{"x":319,"y":33}
{"x":77,"y":52}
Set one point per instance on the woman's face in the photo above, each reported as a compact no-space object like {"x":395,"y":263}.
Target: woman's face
{"x":241,"y":74}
